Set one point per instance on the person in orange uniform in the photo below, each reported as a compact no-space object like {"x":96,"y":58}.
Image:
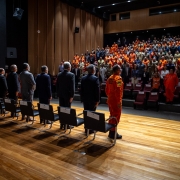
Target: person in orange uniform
{"x":114,"y":92}
{"x":170,"y":82}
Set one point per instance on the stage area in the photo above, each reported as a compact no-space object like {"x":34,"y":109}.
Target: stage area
{"x":149,"y":149}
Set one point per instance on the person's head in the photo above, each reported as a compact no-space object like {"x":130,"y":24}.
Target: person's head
{"x":26,"y":67}
{"x":171,"y":71}
{"x":67,"y":66}
{"x":13,"y":68}
{"x":116,"y":70}
{"x":164,"y":67}
{"x":2,"y":71}
{"x":91,"y":69}
{"x":44,"y":69}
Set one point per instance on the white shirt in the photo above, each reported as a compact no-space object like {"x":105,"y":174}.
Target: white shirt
{"x":163,"y":73}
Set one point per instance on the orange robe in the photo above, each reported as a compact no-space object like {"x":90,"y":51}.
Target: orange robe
{"x":114,"y":92}
{"x":170,"y":82}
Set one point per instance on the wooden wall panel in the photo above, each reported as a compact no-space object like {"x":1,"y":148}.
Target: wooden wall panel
{"x":32,"y":30}
{"x":88,"y":32}
{"x":140,"y":20}
{"x":71,"y":44}
{"x":77,"y":35}
{"x":50,"y":36}
{"x":42,"y":36}
{"x":83,"y":32}
{"x":93,"y":32}
{"x":58,"y":35}
{"x":57,"y":40}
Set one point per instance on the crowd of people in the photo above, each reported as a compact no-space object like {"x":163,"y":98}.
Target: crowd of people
{"x":149,"y":61}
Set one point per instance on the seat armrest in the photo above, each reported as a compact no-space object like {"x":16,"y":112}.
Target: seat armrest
{"x":112,"y":117}
{"x":80,"y":114}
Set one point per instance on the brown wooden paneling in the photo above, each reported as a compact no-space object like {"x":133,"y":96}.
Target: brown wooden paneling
{"x":50,"y":36}
{"x":71,"y":44}
{"x":42,"y":36}
{"x":140,"y":20}
{"x":57,"y":40}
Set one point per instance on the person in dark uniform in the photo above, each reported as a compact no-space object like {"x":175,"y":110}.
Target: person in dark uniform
{"x":43,"y":87}
{"x":66,"y":87}
{"x":13,"y":83}
{"x":90,"y":93}
{"x":3,"y":84}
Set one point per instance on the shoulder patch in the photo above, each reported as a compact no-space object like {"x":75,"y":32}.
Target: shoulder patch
{"x":119,"y":83}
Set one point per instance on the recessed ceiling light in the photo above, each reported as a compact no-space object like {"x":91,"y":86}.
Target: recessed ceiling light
{"x":131,"y":32}
{"x":164,"y":29}
{"x":113,"y":4}
{"x":99,"y":6}
{"x":175,"y":10}
{"x":129,"y":1}
{"x":147,"y":31}
{"x":159,"y":12}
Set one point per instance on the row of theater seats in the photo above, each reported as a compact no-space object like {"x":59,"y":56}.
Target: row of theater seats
{"x":150,"y":101}
{"x":92,"y":120}
{"x":130,"y":91}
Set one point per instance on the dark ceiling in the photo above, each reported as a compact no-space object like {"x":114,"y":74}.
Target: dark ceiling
{"x":102,"y":8}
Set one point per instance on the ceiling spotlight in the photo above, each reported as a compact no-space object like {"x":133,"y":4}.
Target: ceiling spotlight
{"x":159,"y":12}
{"x":129,"y":1}
{"x":175,"y":10}
{"x":147,"y":31}
{"x":113,"y":4}
{"x":131,"y":32}
{"x":164,"y":29}
{"x":99,"y":6}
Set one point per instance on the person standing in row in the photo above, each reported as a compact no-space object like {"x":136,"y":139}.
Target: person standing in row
{"x":66,"y":87}
{"x":90,"y":93}
{"x":28,"y":85}
{"x":13,"y":84}
{"x":43,"y":86}
{"x":114,"y":92}
{"x":3,"y":84}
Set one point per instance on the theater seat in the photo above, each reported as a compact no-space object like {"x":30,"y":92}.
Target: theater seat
{"x":96,"y":121}
{"x":140,"y":100}
{"x":27,"y":108}
{"x":153,"y":100}
{"x":128,"y":90}
{"x":68,"y":116}
{"x":46,"y":113}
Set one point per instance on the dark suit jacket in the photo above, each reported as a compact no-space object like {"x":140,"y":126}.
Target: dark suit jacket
{"x":3,"y":86}
{"x":66,"y":84}
{"x":78,"y":73}
{"x":90,"y":89}
{"x":43,"y":86}
{"x":13,"y":83}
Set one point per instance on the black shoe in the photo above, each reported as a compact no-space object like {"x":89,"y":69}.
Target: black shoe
{"x":68,"y":127}
{"x":112,"y":133}
{"x":48,"y":122}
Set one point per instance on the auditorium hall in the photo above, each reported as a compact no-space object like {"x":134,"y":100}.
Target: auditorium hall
{"x":89,"y":89}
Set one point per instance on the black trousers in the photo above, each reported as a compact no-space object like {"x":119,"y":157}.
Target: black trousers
{"x":64,"y":102}
{"x":44,"y":101}
{"x":13,"y":96}
{"x":90,"y":106}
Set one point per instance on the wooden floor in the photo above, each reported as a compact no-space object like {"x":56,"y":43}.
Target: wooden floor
{"x":150,"y":149}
